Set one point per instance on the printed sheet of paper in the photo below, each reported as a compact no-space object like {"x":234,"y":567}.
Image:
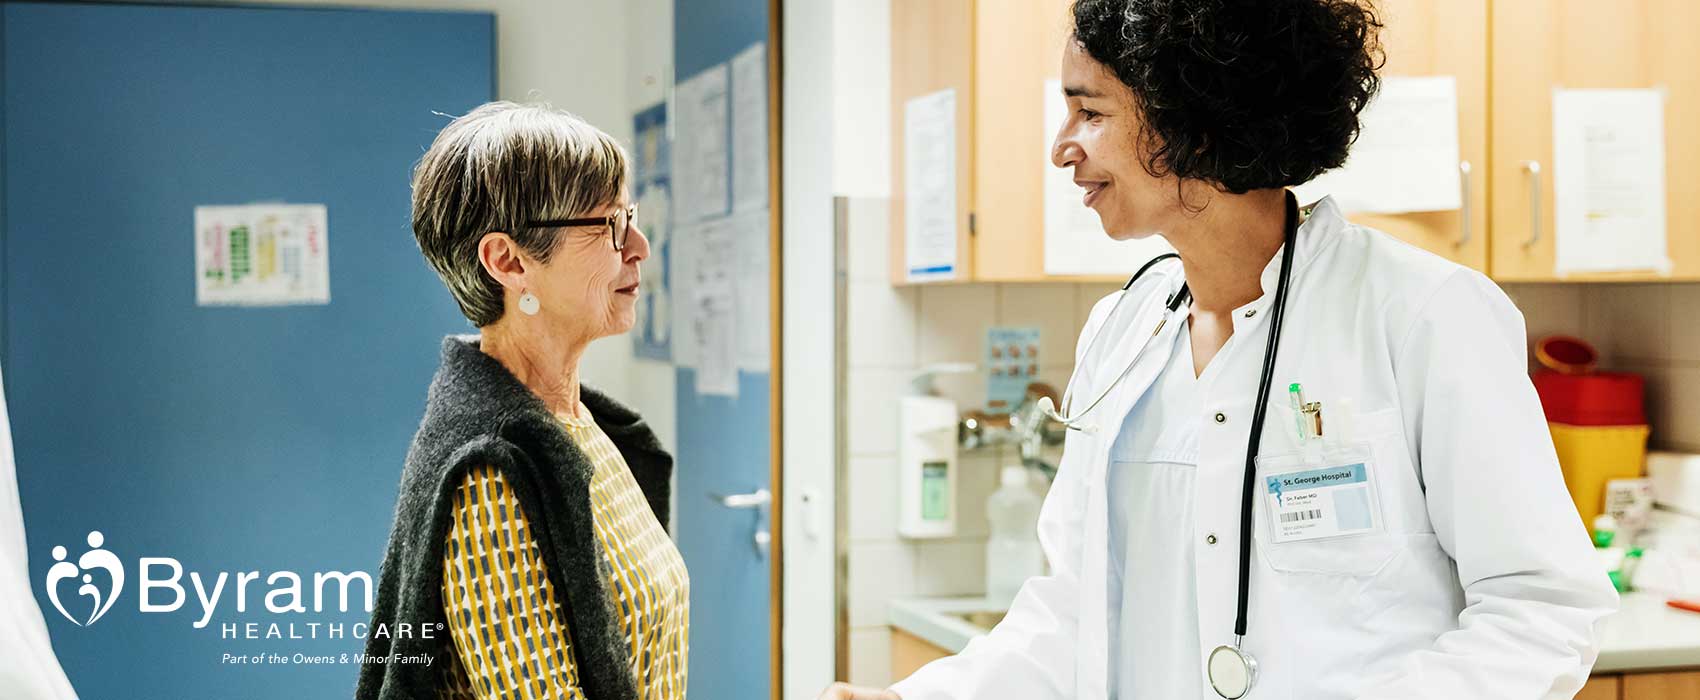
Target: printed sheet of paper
{"x":1406,"y":156}
{"x":1608,"y":171}
{"x":1075,"y":242}
{"x":262,"y":255}
{"x":753,"y":323}
{"x":701,"y":153}
{"x":929,"y":186}
{"x":714,"y":312}
{"x":749,"y":128}
{"x":685,"y":251}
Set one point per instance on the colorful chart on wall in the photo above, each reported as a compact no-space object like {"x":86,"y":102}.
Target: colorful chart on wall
{"x":261,"y":255}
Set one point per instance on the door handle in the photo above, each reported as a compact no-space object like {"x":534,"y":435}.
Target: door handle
{"x":1533,"y":168}
{"x":1464,"y":199}
{"x":759,"y":499}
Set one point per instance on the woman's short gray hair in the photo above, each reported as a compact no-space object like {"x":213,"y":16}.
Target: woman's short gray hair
{"x":495,"y":169}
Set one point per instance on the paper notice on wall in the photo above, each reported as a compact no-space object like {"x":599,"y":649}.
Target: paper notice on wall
{"x":749,"y":128}
{"x":714,"y":312}
{"x":1608,"y":177}
{"x":652,"y":189}
{"x":701,"y":165}
{"x":261,"y":255}
{"x":682,"y":283}
{"x":1075,"y":241}
{"x":1406,"y":156}
{"x":753,"y":322}
{"x":929,"y":186}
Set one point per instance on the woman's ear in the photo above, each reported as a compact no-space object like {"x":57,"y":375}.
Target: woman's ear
{"x":503,"y":260}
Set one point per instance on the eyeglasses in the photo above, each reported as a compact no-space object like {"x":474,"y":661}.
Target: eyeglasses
{"x":619,"y":224}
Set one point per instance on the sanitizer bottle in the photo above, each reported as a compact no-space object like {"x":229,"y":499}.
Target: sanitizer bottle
{"x":1012,"y":551}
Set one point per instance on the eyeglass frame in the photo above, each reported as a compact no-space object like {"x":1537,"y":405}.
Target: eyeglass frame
{"x":616,"y":236}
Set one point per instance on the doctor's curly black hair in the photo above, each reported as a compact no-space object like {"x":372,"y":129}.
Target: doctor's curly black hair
{"x":1243,"y":94}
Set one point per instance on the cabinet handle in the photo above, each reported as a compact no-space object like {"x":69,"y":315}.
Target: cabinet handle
{"x":1464,"y":199}
{"x":1533,"y":168}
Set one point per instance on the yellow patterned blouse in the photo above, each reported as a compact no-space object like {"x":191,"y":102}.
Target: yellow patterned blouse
{"x":509,"y":633}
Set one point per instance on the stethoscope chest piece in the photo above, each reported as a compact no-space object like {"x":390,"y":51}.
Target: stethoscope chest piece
{"x":1231,"y":672}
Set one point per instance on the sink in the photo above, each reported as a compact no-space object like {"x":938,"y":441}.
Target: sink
{"x":985,"y":619}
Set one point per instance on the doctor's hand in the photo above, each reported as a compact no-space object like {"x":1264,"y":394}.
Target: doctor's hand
{"x":845,"y":691}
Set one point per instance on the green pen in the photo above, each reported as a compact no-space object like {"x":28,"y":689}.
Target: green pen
{"x":1296,"y":396}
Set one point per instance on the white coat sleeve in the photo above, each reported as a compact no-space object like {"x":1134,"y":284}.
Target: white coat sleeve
{"x":1031,"y":653}
{"x":29,"y":670}
{"x":1532,"y":586}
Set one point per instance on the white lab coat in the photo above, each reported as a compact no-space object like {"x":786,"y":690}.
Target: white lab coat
{"x":1482,"y":585}
{"x":28,"y":668}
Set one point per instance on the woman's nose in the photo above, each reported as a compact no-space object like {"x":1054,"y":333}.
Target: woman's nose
{"x":1065,"y":153}
{"x":637,"y":246}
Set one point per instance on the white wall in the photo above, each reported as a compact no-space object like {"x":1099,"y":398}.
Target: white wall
{"x":649,"y":73}
{"x":809,"y":402}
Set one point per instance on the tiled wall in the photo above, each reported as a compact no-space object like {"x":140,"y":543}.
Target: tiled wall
{"x":1649,"y":329}
{"x":893,"y":331}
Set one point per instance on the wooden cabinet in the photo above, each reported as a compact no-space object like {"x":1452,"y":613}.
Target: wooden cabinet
{"x":932,"y":49}
{"x":909,"y":653}
{"x":997,"y":56}
{"x":1675,"y":685}
{"x":1507,"y":56}
{"x":1445,"y":37}
{"x":1661,"y":686}
{"x":1602,"y":688}
{"x":1540,"y":45}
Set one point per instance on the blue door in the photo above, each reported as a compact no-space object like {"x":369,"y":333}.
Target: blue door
{"x":724,"y":443}
{"x":228,"y":439}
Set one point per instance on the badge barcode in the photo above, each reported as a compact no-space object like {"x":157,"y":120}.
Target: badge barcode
{"x":1300,"y":515}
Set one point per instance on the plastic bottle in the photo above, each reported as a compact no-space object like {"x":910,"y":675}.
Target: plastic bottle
{"x":1012,"y":550}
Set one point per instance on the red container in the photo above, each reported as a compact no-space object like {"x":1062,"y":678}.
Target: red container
{"x":1600,"y":398}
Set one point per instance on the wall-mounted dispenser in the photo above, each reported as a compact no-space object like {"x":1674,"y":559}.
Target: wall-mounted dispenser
{"x":926,"y":457}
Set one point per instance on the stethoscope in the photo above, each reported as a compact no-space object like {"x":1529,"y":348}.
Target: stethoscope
{"x":1231,"y":669}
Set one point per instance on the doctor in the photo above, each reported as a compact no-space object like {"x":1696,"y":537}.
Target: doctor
{"x":1404,"y":534}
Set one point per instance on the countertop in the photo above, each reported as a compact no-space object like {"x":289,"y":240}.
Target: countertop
{"x":1644,"y":634}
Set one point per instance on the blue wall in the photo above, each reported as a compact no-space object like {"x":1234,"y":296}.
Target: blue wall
{"x":232,"y":439}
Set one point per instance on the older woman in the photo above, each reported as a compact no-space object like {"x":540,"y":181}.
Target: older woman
{"x":528,"y":556}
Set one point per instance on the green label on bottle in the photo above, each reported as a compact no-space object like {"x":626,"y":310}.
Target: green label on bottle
{"x":935,"y":491}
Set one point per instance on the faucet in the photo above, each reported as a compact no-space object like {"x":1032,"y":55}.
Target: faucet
{"x":1025,"y":426}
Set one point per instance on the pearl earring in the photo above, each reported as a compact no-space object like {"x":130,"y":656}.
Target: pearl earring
{"x":528,"y":303}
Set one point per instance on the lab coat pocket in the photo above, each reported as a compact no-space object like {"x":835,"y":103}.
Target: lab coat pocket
{"x":1318,"y":510}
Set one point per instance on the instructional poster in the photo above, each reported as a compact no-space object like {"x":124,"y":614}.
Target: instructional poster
{"x":261,"y":255}
{"x":929,"y":184}
{"x":702,"y":159}
{"x":1608,"y":155}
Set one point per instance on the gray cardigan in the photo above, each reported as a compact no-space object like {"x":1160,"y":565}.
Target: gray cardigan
{"x":477,"y":413}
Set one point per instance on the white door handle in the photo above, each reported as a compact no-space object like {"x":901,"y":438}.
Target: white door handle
{"x":759,"y":499}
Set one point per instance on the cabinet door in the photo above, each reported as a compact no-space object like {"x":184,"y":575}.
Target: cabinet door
{"x":1601,"y":688}
{"x":1539,"y":45}
{"x":1661,"y":686}
{"x":1017,"y":47}
{"x":909,"y":653}
{"x":1445,"y":37}
{"x":932,"y":49}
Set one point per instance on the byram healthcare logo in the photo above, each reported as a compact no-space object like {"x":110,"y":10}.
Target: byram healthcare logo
{"x":160,"y":588}
{"x":95,"y":558}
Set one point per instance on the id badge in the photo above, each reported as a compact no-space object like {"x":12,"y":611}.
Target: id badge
{"x":1320,"y":492}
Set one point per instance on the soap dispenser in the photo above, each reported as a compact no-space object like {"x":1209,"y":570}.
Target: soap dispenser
{"x":926,"y":456}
